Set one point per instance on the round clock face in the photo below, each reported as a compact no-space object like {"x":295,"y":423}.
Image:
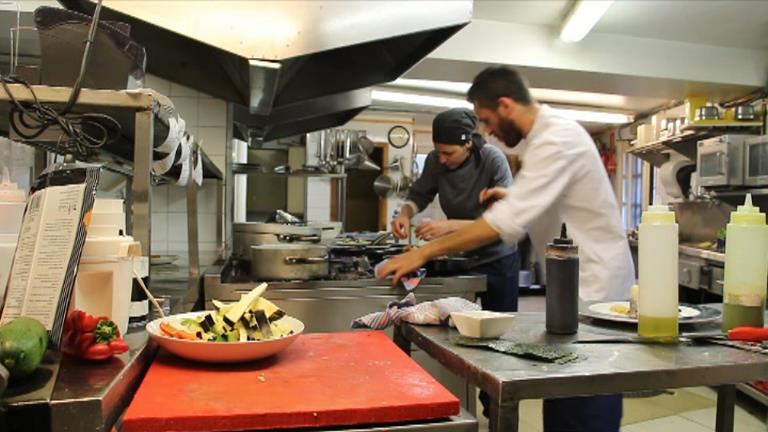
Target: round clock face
{"x":399,"y":136}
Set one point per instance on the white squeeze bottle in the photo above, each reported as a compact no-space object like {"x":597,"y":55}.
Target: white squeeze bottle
{"x":746,"y":267}
{"x":12,"y":202}
{"x":658,"y":255}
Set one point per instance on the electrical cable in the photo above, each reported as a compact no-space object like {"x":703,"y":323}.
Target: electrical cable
{"x":84,"y":62}
{"x":86,"y":132}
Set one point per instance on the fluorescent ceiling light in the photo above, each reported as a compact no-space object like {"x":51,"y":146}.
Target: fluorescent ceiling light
{"x":449,"y":102}
{"x":594,"y":116}
{"x":447,"y":86}
{"x":417,"y":99}
{"x":582,"y":17}
{"x":568,"y":97}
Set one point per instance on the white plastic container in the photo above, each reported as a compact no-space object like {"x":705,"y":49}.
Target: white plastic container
{"x":12,"y":202}
{"x":109,"y":205}
{"x":746,"y":267}
{"x":658,"y":267}
{"x":115,"y":221}
{"x":6,"y":258}
{"x":482,"y":324}
{"x":103,"y":287}
{"x":105,"y":275}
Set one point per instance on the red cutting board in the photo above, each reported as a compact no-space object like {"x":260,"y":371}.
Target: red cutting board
{"x":323,"y":379}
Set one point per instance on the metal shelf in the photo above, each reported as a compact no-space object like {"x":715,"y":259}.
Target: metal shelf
{"x":122,"y":105}
{"x":721,"y":125}
{"x":131,"y":155}
{"x":738,"y":192}
{"x":653,"y":153}
{"x":239,"y":168}
{"x":753,"y":393}
{"x":656,"y":152}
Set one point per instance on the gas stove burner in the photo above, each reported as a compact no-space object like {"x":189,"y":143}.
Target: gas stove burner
{"x":351,"y":268}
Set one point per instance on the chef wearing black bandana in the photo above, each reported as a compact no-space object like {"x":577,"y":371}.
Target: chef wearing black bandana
{"x":457,"y":170}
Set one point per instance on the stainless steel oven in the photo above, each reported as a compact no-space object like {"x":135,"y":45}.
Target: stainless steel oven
{"x":756,"y":161}
{"x":720,"y":160}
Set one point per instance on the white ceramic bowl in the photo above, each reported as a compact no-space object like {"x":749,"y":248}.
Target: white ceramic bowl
{"x":482,"y":324}
{"x":223,"y":352}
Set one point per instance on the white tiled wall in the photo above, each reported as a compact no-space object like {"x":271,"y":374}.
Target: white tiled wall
{"x":318,"y":199}
{"x":206,"y":118}
{"x":318,"y":192}
{"x":18,"y":158}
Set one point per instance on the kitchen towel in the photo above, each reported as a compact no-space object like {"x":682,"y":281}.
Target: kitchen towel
{"x":410,"y":282}
{"x":434,"y":312}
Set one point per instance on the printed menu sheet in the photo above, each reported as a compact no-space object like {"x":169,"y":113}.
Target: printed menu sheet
{"x":45,"y":264}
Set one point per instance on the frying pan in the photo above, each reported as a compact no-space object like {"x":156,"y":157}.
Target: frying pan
{"x":449,"y":265}
{"x":375,"y":253}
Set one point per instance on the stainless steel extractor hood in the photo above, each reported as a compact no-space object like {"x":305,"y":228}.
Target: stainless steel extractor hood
{"x":274,"y":57}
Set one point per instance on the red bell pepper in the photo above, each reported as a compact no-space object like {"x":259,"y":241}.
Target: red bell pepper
{"x":92,"y":338}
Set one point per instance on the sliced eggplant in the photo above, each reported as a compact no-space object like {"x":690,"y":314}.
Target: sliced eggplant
{"x":273,"y":312}
{"x":263,"y":322}
{"x":207,"y":322}
{"x":233,"y":315}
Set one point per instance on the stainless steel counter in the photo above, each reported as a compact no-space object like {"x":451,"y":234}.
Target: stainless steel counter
{"x":609,"y":368}
{"x":86,"y":396}
{"x":463,"y":422}
{"x":702,"y":253}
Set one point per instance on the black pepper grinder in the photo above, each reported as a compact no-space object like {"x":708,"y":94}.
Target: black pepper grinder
{"x":562,"y":285}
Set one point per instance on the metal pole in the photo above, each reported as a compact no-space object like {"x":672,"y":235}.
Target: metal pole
{"x":193,"y":246}
{"x":726,"y":400}
{"x":229,"y":184}
{"x":341,"y":200}
{"x":141,"y":210}
{"x":220,"y":212}
{"x":504,"y":416}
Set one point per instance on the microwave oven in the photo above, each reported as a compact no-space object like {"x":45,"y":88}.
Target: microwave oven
{"x":720,"y":160}
{"x":756,"y":161}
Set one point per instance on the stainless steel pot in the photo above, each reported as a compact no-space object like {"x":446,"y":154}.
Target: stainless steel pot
{"x":383,"y":185}
{"x":708,"y":112}
{"x":744,"y":112}
{"x":249,"y":234}
{"x":289,"y":262}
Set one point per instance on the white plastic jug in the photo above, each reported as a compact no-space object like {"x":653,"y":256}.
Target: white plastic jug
{"x":103,"y":287}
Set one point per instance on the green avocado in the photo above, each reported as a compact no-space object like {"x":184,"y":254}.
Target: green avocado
{"x":23,"y":342}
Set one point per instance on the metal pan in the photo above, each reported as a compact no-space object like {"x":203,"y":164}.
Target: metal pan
{"x":449,"y":265}
{"x":289,"y":262}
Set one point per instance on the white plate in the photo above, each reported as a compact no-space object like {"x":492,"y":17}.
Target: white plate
{"x":689,"y":314}
{"x":223,"y":352}
{"x":605,"y":309}
{"x":163,"y":259}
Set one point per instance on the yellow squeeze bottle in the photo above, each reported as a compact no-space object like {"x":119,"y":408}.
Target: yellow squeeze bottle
{"x":746,"y":267}
{"x":658,"y":257}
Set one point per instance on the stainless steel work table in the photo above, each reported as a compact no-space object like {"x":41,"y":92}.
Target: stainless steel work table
{"x":85,"y":396}
{"x":608,"y":368}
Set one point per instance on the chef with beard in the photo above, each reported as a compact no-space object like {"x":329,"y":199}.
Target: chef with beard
{"x":562,"y":179}
{"x":456,"y":171}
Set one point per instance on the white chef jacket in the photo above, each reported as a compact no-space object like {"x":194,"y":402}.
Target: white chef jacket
{"x":563,"y":179}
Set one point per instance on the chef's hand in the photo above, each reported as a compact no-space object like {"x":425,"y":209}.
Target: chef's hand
{"x":432,"y":229}
{"x":490,"y":196}
{"x":401,"y":265}
{"x":400,"y":226}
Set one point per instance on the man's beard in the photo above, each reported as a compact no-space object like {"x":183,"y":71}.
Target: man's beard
{"x":511,"y":135}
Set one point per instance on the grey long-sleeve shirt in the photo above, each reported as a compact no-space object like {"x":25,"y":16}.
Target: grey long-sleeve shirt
{"x":459,"y":190}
